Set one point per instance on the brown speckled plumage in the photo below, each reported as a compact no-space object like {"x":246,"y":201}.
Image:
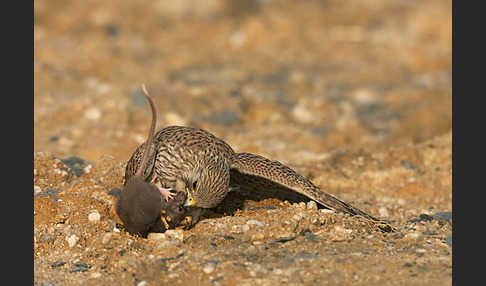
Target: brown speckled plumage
{"x":182,"y":157}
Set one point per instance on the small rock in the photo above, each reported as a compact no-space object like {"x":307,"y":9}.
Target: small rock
{"x":46,"y":237}
{"x":445,"y":216}
{"x":420,"y":250}
{"x":72,"y":240}
{"x":57,"y":264}
{"x":245,"y":228}
{"x":142,"y":283}
{"x":413,"y":235}
{"x":401,"y":201}
{"x":283,"y":239}
{"x":37,"y":189}
{"x":302,"y":114}
{"x":176,"y":234}
{"x":80,"y":267}
{"x":311,"y":205}
{"x":76,"y":165}
{"x":93,"y":113}
{"x":106,"y":238}
{"x":96,"y":275}
{"x":255,"y":222}
{"x":87,"y":169}
{"x":94,"y":216}
{"x":326,"y":211}
{"x":209,"y":268}
{"x":156,"y":236}
{"x":383,"y":212}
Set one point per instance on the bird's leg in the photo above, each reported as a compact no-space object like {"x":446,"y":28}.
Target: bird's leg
{"x":192,"y":216}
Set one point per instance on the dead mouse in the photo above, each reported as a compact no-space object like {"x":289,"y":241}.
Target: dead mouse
{"x":144,"y":207}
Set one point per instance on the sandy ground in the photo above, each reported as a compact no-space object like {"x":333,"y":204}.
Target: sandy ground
{"x":354,"y":96}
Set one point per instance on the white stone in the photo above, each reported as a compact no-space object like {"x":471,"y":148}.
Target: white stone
{"x":255,"y":222}
{"x":72,"y":240}
{"x":209,"y":268}
{"x":92,"y":113}
{"x":302,"y":114}
{"x":87,"y":169}
{"x":37,"y":189}
{"x":94,"y":216}
{"x":156,"y":236}
{"x":142,"y":283}
{"x":311,"y":205}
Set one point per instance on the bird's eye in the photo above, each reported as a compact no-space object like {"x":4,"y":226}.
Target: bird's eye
{"x":194,"y":186}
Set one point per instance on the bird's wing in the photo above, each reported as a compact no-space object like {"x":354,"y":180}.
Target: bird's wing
{"x":258,"y":170}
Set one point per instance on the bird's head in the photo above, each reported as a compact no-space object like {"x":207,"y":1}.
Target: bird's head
{"x":207,"y":183}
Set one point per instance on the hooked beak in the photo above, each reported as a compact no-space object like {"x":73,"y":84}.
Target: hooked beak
{"x":189,"y":199}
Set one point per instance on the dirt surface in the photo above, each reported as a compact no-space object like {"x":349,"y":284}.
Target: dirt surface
{"x":354,"y":95}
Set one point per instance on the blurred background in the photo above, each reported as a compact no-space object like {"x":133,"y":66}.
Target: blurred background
{"x":291,"y":80}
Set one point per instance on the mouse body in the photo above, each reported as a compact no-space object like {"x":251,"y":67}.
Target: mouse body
{"x":144,"y":207}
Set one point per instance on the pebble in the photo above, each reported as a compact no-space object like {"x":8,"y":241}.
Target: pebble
{"x":209,"y":268}
{"x":142,"y":283}
{"x":255,"y":222}
{"x":106,"y":238}
{"x":383,"y":212}
{"x":302,"y":114}
{"x":94,"y":216}
{"x":46,"y":237}
{"x":156,"y":236}
{"x":87,"y":169}
{"x":93,"y":113}
{"x":80,"y":267}
{"x":176,"y":234}
{"x":72,"y":240}
{"x":420,"y":250}
{"x":245,"y":228}
{"x":326,"y":211}
{"x":96,"y":275}
{"x":413,"y":235}
{"x":311,"y":205}
{"x":37,"y":189}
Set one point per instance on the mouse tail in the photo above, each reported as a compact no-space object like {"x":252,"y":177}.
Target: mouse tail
{"x":150,"y":138}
